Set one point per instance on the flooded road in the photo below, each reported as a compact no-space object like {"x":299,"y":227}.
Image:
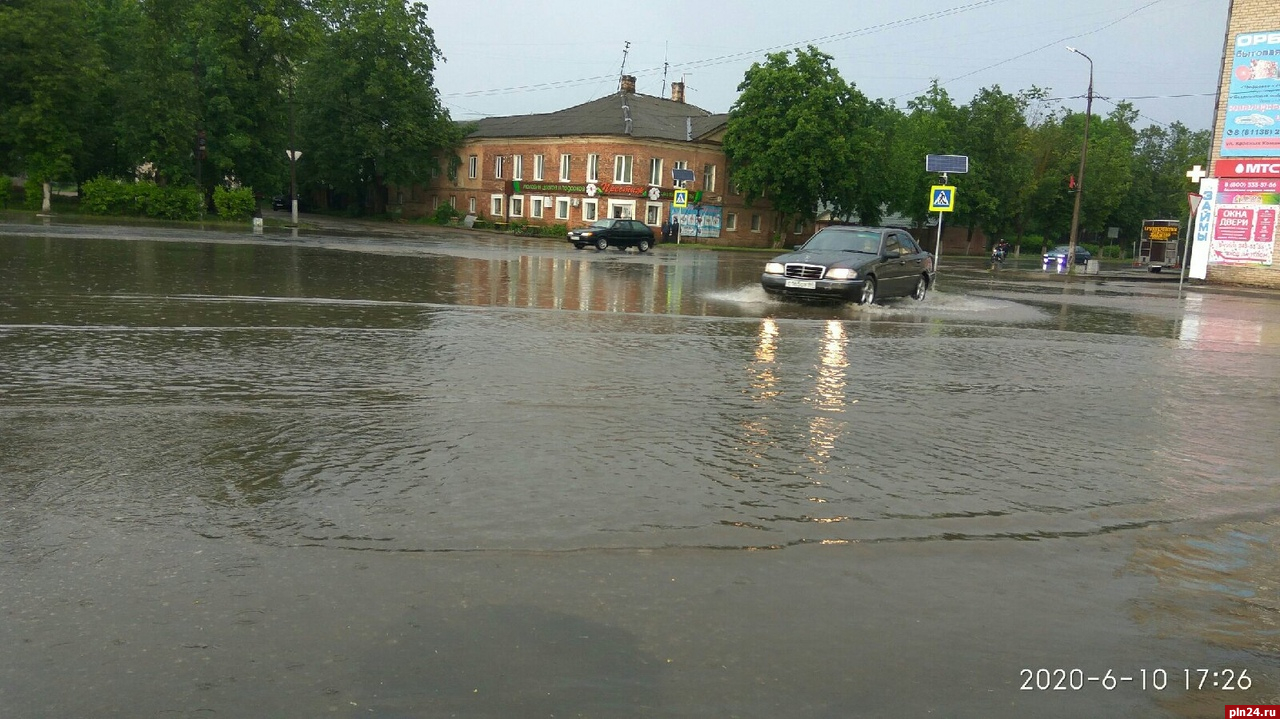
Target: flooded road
{"x":394,"y":473}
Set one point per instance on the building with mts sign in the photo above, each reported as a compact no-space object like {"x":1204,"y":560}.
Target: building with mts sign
{"x":1236,"y":223}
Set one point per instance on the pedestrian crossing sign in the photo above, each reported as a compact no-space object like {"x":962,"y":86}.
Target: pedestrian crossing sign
{"x":680,"y":198}
{"x":942,"y":198}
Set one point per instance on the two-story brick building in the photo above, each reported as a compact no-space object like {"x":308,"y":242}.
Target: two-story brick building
{"x":616,"y":156}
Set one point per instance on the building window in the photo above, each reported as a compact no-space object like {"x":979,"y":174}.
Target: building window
{"x":453,"y":201}
{"x":593,"y":168}
{"x":564,"y":168}
{"x":589,"y":210}
{"x":535,"y":207}
{"x":517,"y":167}
{"x":497,"y":167}
{"x":622,"y":169}
{"x":538,"y":167}
{"x":709,"y":178}
{"x":471,"y":206}
{"x":655,"y":172}
{"x":755,"y":223}
{"x":435,"y":202}
{"x":562,"y":208}
{"x":679,"y":165}
{"x":799,"y":229}
{"x":653,"y":214}
{"x":517,"y":206}
{"x":731,"y":222}
{"x":473,"y":167}
{"x":496,"y":205}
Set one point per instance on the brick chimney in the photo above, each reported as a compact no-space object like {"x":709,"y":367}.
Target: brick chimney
{"x":677,"y":91}
{"x":628,"y":85}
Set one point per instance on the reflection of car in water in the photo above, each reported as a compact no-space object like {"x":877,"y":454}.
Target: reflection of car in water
{"x":863,"y":264}
{"x":616,"y":232}
{"x":1257,"y":119}
{"x":1058,"y":255}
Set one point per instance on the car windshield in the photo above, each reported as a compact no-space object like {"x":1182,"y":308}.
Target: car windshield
{"x":1060,"y":250}
{"x":602,"y":224}
{"x":845,"y":240}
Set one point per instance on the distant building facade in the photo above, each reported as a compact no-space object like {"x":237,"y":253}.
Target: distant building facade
{"x":1245,"y":161}
{"x":616,"y":156}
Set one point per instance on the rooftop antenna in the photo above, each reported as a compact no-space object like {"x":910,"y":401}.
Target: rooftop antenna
{"x":664,"y":71}
{"x":626,"y":46}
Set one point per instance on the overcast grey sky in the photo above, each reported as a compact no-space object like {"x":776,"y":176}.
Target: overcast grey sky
{"x":513,"y":57}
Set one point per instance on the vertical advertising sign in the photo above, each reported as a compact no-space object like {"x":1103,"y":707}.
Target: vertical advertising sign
{"x":1199,"y":265}
{"x":1252,"y":121}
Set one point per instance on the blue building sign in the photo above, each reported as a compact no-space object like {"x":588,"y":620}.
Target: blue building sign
{"x":698,"y":221}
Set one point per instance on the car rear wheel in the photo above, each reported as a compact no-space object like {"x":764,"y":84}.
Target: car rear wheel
{"x":642,"y":245}
{"x":922,"y":289}
{"x":602,"y":244}
{"x":868,"y":296}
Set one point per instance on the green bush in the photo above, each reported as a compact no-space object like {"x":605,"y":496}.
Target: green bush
{"x":555,"y":230}
{"x":103,"y":196}
{"x":234,"y":204}
{"x":445,"y":214}
{"x":5,"y":189}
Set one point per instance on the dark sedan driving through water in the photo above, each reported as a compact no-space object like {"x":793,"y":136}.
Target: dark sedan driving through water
{"x":862,"y":264}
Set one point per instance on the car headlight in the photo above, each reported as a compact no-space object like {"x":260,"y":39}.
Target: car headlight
{"x":841,"y":273}
{"x":773,"y":268}
{"x":586,"y":234}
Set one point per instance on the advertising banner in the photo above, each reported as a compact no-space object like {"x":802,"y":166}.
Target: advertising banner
{"x":1244,"y":221}
{"x":1252,"y":120}
{"x":701,"y":221}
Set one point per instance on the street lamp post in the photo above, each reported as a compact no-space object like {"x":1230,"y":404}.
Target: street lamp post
{"x":1084,"y":152}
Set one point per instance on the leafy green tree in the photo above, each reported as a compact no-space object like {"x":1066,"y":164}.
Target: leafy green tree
{"x":930,"y":127}
{"x":993,"y":132}
{"x":368,"y":111}
{"x":50,"y":64}
{"x":803,"y":138}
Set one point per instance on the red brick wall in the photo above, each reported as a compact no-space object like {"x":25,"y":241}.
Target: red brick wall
{"x":697,"y":155}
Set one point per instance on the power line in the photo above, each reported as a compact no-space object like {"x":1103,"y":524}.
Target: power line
{"x":1006,"y":61}
{"x":733,"y":57}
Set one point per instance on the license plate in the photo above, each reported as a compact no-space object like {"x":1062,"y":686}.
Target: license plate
{"x":802,"y":284}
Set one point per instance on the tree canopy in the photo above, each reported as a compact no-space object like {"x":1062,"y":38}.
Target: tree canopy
{"x":208,"y":90}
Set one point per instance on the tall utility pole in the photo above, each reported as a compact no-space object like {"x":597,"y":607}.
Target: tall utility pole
{"x":293,"y":157}
{"x":1084,"y":152}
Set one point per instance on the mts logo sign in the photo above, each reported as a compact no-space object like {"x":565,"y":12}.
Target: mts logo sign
{"x":1246,"y":168}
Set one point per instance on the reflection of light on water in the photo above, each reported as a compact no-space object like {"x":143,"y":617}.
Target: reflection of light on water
{"x":829,"y":394}
{"x":835,"y":360}
{"x":768,"y":340}
{"x":764,"y":380}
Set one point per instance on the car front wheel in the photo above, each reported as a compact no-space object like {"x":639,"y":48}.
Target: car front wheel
{"x":868,"y":296}
{"x":922,"y":289}
{"x":642,"y":245}
{"x":602,"y":244}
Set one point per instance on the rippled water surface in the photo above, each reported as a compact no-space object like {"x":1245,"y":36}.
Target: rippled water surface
{"x":466,"y":393}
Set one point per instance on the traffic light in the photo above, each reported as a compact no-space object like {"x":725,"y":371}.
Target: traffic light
{"x":201,"y":145}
